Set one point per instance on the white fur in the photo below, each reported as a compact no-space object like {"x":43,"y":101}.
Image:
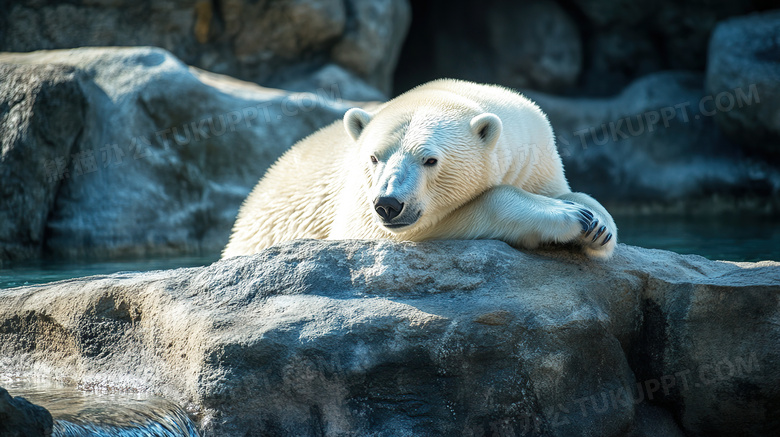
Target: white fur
{"x":497,"y":175}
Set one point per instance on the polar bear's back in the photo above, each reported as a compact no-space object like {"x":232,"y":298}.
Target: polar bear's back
{"x":296,"y":197}
{"x":501,"y":100}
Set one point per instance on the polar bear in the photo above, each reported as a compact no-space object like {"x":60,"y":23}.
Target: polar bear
{"x":449,"y":159}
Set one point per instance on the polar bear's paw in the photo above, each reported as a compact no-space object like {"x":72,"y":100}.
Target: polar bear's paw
{"x":566,"y":223}
{"x":597,"y":235}
{"x":593,"y":232}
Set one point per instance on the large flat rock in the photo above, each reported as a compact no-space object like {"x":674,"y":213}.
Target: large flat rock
{"x":441,"y":338}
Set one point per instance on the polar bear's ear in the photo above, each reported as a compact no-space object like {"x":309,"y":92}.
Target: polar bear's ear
{"x":487,"y":127}
{"x":355,"y":120}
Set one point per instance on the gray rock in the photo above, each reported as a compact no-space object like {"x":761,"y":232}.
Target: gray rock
{"x":330,"y":75}
{"x":373,"y":38}
{"x":20,"y":418}
{"x":41,"y":118}
{"x":743,"y":76}
{"x":164,"y":154}
{"x":441,"y":338}
{"x":265,"y":42}
{"x":657,"y":146}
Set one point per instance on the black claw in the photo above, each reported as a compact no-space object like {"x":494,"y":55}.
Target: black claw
{"x":587,"y":214}
{"x":585,"y":219}
{"x":598,"y":234}
{"x":606,"y":239}
{"x":592,"y":226}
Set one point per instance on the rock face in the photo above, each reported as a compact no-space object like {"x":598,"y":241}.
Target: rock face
{"x":19,"y":418}
{"x":743,"y":62}
{"x":657,"y":145}
{"x":626,"y":40}
{"x":130,"y":152}
{"x":42,"y":112}
{"x":443,"y":338}
{"x":265,"y":42}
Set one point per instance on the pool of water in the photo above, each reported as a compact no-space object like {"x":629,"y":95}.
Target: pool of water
{"x":95,"y":413}
{"x":44,"y":270}
{"x":736,"y":238}
{"x":730,"y":238}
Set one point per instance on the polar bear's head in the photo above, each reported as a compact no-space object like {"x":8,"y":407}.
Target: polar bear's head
{"x":423,"y":161}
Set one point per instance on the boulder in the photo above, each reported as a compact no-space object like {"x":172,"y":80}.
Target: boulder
{"x":743,"y":78}
{"x":656,"y":147}
{"x":20,"y":418}
{"x":439,"y":338}
{"x":265,"y":42}
{"x":42,"y":111}
{"x":127,"y":151}
{"x":348,"y":87}
{"x":374,"y":34}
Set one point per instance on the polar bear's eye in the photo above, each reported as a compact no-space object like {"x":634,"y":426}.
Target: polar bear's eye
{"x":430,"y":162}
{"x":373,"y":159}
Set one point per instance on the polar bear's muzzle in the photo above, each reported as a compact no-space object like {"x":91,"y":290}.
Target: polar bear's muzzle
{"x":395,"y":205}
{"x":388,"y":208}
{"x":393,"y":214}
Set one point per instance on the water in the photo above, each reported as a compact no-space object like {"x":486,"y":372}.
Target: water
{"x":729,"y":238}
{"x":42,"y":271}
{"x":82,"y":413}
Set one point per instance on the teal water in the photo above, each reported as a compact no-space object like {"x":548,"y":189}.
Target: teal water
{"x":728,"y":238}
{"x":735,"y":238}
{"x":44,"y":270}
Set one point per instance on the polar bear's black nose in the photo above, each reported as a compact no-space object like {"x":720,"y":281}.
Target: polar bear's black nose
{"x":388,"y":207}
